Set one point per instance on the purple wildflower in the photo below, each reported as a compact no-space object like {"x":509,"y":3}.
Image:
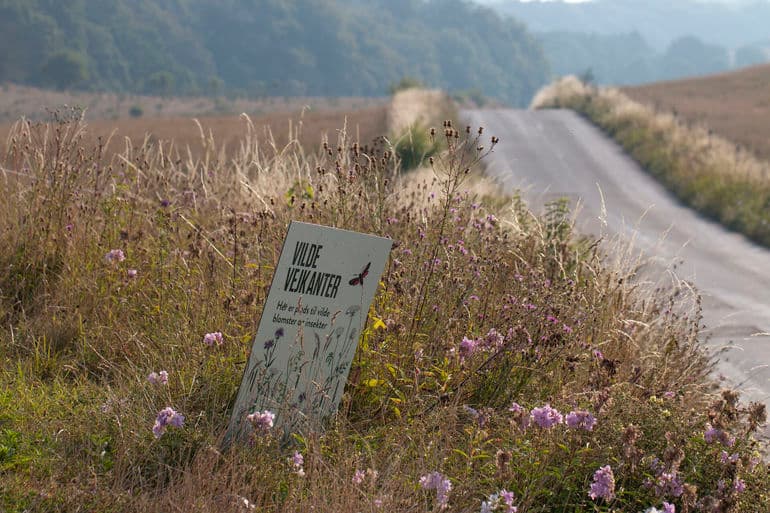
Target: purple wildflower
{"x":668,"y":484}
{"x":158,"y":378}
{"x":739,"y":485}
{"x":298,"y":462}
{"x":669,"y":508}
{"x":493,"y":339}
{"x":580,"y":419}
{"x":167,"y":417}
{"x":213,"y":338}
{"x":358,"y":477}
{"x":132,"y":273}
{"x":261,"y":420}
{"x":546,"y":417}
{"x":712,"y":434}
{"x":114,"y":256}
{"x":439,"y":482}
{"x":467,"y":347}
{"x":603,"y":485}
{"x":598,"y":355}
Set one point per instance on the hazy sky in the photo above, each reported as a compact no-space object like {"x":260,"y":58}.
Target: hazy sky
{"x":580,"y":1}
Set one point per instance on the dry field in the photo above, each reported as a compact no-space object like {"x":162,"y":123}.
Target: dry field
{"x":734,"y":105}
{"x":306,"y":126}
{"x":34,"y":103}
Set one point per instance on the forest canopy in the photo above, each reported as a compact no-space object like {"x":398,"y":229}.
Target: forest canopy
{"x":267,"y":47}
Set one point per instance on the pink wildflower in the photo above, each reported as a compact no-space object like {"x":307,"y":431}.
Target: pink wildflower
{"x":581,"y":420}
{"x":213,"y":338}
{"x":358,"y":477}
{"x":493,"y":339}
{"x":547,"y":417}
{"x":603,"y":485}
{"x":114,"y":256}
{"x":261,"y":420}
{"x":158,"y":378}
{"x":439,"y":482}
{"x":712,"y":434}
{"x":132,"y":273}
{"x":167,"y":417}
{"x":467,"y":347}
{"x":501,"y":501}
{"x":298,"y":462}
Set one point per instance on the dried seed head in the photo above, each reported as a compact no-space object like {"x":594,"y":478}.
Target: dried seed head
{"x":481,"y":130}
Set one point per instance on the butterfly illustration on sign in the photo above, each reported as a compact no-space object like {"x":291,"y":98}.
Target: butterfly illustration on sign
{"x":359,"y":278}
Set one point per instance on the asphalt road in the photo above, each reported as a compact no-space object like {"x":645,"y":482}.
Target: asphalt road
{"x":555,"y":153}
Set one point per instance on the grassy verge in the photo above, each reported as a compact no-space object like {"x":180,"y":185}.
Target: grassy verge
{"x":704,"y":171}
{"x":478,"y":334}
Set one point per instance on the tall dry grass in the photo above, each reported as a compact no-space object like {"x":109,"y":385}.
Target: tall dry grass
{"x":471,"y":316}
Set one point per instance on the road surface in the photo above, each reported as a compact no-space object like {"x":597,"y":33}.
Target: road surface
{"x":555,"y":153}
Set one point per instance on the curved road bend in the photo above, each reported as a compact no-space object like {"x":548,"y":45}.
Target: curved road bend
{"x":555,"y":153}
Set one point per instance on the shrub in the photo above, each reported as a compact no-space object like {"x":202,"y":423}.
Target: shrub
{"x":414,"y":146}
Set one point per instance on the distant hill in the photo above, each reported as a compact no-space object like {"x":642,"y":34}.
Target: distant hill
{"x":638,"y":41}
{"x":734,"y":105}
{"x":729,"y":24}
{"x":267,"y":47}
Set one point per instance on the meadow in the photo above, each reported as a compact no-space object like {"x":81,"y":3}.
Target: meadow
{"x":508,"y":363}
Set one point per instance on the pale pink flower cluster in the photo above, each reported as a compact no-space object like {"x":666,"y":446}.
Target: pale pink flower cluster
{"x":492,"y":341}
{"x":546,"y":417}
{"x":439,"y":482}
{"x":261,"y":420}
{"x":166,"y":417}
{"x":358,"y":477}
{"x":114,"y":256}
{"x":298,"y":463}
{"x":580,"y":419}
{"x":603,"y":485}
{"x":158,"y":378}
{"x":501,"y":501}
{"x":210,"y":339}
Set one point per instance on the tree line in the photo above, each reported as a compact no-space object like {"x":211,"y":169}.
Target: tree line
{"x":267,"y":47}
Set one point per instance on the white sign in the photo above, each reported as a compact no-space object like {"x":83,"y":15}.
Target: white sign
{"x":312,"y":319}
